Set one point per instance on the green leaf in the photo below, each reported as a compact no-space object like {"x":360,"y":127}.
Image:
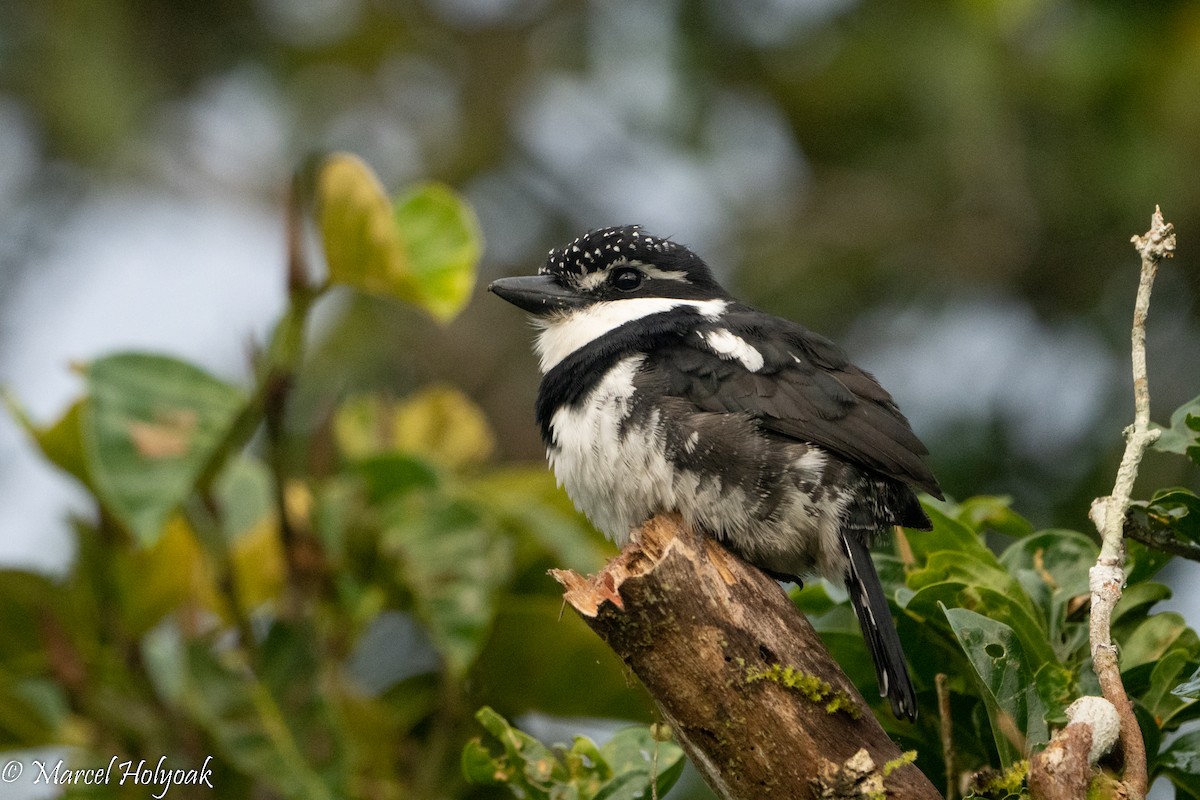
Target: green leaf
{"x":948,"y":534}
{"x":438,"y":424}
{"x":1052,"y":568}
{"x":61,"y":442}
{"x":984,"y":512}
{"x":631,"y":766}
{"x":1181,"y":763}
{"x":993,"y":604}
{"x":638,"y":760}
{"x":525,"y":764}
{"x":422,"y":249}
{"x":1153,"y":638}
{"x":1175,"y":509}
{"x":1183,"y":434}
{"x":388,"y":476}
{"x":443,"y":243}
{"x":454,"y":567}
{"x":1165,"y":676}
{"x":151,"y":429}
{"x":1006,"y":681}
{"x":1189,"y":689}
{"x":362,"y":246}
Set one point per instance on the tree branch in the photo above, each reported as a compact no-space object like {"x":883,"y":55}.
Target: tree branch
{"x":1145,"y":529}
{"x":1108,"y":513}
{"x":739,"y":674}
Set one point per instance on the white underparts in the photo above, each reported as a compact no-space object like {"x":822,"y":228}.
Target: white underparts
{"x":563,"y":334}
{"x":619,"y":472}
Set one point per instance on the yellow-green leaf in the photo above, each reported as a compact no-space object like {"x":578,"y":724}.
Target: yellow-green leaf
{"x":443,"y":242}
{"x":60,"y":442}
{"x":362,"y":245}
{"x":439,"y":424}
{"x":421,"y":249}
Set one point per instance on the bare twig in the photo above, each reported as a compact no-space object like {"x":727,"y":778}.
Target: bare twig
{"x":1144,"y":529}
{"x":1108,"y":513}
{"x":280,"y":364}
{"x":941,"y":682}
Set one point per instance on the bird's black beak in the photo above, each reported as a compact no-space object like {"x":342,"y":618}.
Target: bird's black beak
{"x":536,"y":294}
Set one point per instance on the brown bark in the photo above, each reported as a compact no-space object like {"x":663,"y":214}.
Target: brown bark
{"x":1062,"y":770}
{"x":742,"y":678}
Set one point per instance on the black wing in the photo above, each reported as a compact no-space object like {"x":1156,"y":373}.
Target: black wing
{"x":805,"y":389}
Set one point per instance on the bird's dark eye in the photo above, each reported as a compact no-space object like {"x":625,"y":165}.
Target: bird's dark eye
{"x":626,"y":278}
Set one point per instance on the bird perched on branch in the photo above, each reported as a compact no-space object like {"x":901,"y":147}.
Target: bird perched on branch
{"x":663,"y":393}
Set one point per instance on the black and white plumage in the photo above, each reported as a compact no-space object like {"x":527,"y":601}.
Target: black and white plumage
{"x":661,"y":392}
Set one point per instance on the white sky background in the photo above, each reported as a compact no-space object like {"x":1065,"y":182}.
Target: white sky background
{"x":194,"y":277}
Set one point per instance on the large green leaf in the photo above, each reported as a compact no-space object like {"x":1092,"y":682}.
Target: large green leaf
{"x":1152,"y":638}
{"x":1006,"y":679}
{"x":454,"y":566}
{"x":996,"y":605}
{"x":1181,"y":764}
{"x":151,"y":429}
{"x":1052,"y":568}
{"x":422,"y":249}
{"x":443,"y":242}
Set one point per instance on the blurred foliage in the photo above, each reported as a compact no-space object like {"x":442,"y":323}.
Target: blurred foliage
{"x":318,"y":632}
{"x":632,"y":765}
{"x":828,"y":157}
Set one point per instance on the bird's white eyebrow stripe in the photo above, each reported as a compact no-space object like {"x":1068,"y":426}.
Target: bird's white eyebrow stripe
{"x":593,"y":279}
{"x":563,"y":335}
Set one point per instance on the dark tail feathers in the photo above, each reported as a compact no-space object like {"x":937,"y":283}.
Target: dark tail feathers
{"x":875,"y":619}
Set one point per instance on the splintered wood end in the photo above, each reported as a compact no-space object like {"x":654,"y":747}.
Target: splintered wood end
{"x":641,"y":554}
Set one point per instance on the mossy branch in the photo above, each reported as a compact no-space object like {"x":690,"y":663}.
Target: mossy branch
{"x":738,"y":673}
